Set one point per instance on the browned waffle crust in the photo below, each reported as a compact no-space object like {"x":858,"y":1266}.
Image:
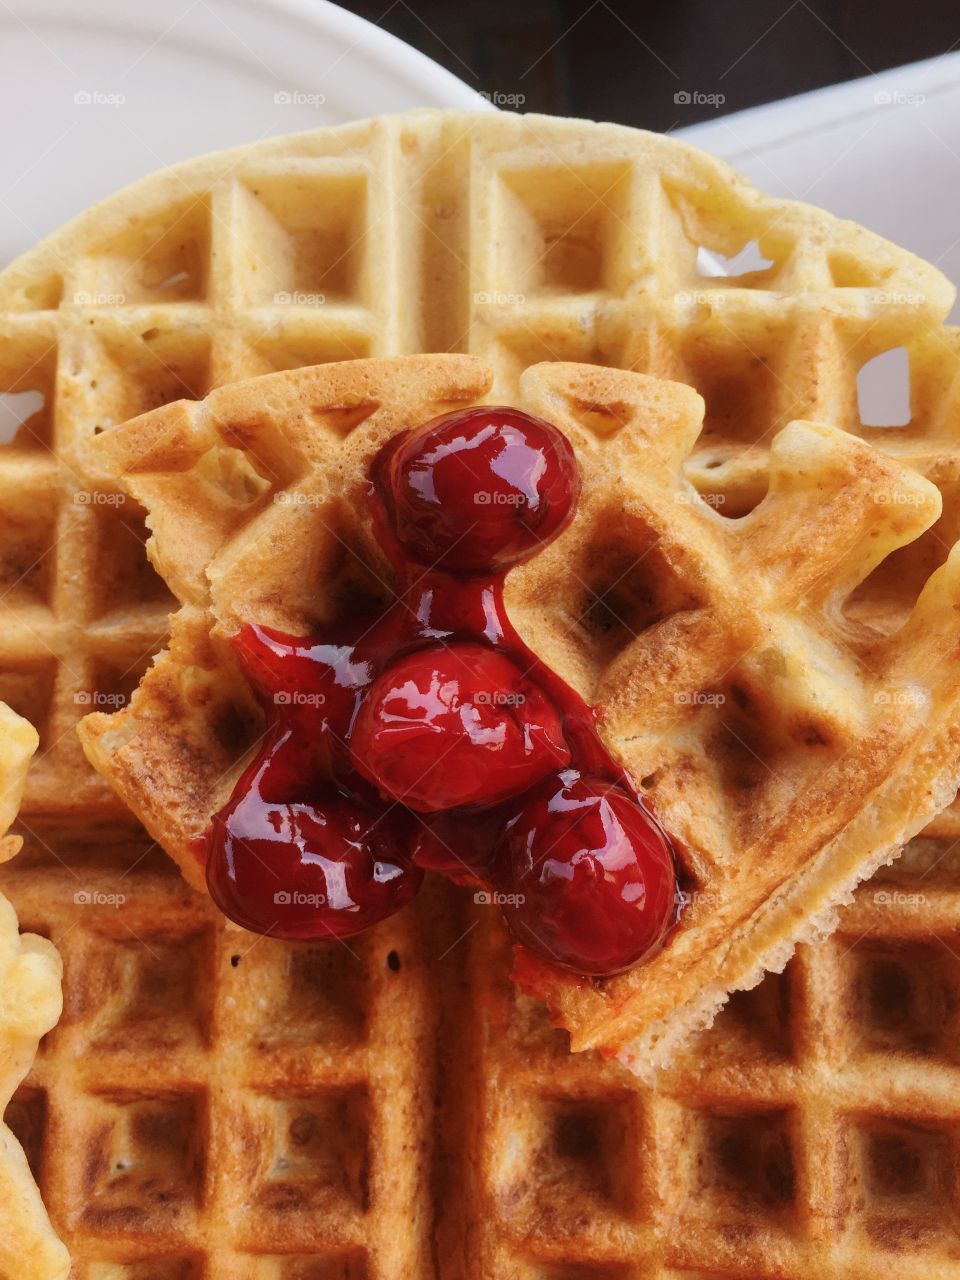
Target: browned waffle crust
{"x":788,"y":751}
{"x":814,"y":1133}
{"x":212,"y":1109}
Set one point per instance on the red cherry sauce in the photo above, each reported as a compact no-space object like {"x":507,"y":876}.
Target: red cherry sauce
{"x":432,"y":737}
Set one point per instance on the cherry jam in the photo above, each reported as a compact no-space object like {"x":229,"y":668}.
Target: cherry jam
{"x":432,"y":737}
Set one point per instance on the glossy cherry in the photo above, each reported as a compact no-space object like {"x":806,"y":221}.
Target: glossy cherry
{"x":477,"y":490}
{"x":456,"y":725}
{"x":589,"y":877}
{"x":301,"y":871}
{"x":431,"y":736}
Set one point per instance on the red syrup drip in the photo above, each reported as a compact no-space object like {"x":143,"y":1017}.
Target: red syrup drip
{"x":431,"y":736}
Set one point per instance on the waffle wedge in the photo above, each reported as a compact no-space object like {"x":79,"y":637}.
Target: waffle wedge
{"x":788,"y":751}
{"x":30,"y":1004}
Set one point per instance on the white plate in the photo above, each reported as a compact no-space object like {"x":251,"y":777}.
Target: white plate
{"x":95,"y":94}
{"x":883,"y":150}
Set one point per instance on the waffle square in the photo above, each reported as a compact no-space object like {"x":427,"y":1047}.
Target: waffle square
{"x":789,"y":752}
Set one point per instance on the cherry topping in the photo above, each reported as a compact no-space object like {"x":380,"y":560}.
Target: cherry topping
{"x":383,"y":733}
{"x":589,"y":877}
{"x":456,"y":725}
{"x":301,"y":871}
{"x":477,"y":490}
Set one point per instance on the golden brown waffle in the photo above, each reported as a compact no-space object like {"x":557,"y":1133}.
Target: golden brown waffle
{"x":220,"y":1106}
{"x":30,"y":1004}
{"x":415,"y":229}
{"x":515,"y":238}
{"x":279,"y":1112}
{"x":788,"y":752}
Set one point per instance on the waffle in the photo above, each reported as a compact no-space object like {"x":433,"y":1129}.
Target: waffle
{"x":30,"y":1004}
{"x":518,"y":239}
{"x":417,"y":231}
{"x":789,"y":754}
{"x":211,"y":1108}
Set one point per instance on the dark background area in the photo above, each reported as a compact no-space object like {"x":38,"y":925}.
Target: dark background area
{"x":610,"y":60}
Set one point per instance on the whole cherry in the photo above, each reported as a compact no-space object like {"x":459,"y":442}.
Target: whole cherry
{"x":588,"y":875}
{"x":309,"y":872}
{"x":456,"y":725}
{"x":477,"y":490}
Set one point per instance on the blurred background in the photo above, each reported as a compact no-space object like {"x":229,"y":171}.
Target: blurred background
{"x":628,"y":62}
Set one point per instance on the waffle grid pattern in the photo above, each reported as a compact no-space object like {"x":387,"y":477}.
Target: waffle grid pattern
{"x":747,"y":744}
{"x":445,"y":234}
{"x":514,"y":240}
{"x":215,"y":1107}
{"x":812,"y":1131}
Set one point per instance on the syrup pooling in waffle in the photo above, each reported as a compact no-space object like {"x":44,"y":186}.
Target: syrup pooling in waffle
{"x":386,"y":737}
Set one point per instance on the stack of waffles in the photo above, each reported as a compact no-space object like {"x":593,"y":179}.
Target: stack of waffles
{"x":215,"y":1105}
